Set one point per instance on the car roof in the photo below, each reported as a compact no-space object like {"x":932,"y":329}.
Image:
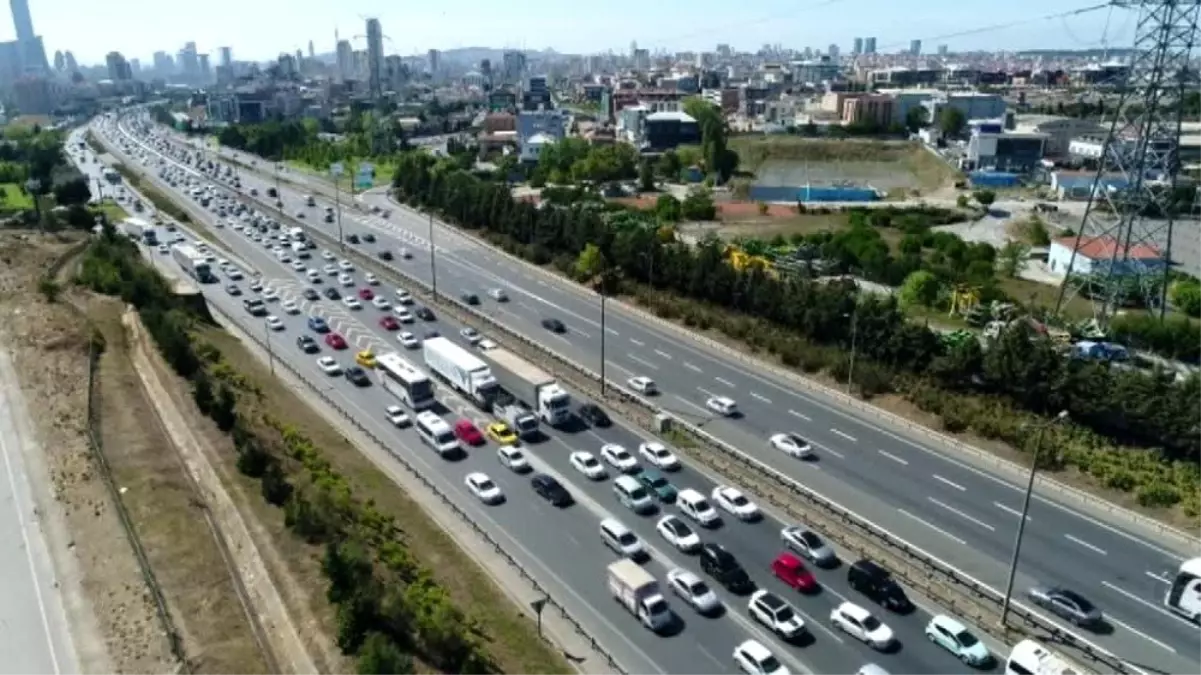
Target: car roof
{"x":789,"y":559}
{"x":854,"y":611}
{"x":950,"y":623}
{"x":755,"y":650}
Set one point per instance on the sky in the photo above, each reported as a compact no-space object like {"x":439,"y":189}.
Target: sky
{"x":261,"y":30}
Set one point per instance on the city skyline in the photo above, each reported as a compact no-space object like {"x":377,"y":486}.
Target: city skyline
{"x":95,"y":31}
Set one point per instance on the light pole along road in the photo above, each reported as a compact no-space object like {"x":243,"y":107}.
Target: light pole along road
{"x":562,"y":546}
{"x":942,"y":504}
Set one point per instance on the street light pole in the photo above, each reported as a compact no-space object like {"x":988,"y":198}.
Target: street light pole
{"x":433,"y":258}
{"x":602,"y":328}
{"x":338,"y":211}
{"x":270,"y":354}
{"x":1017,"y":542}
{"x":854,"y":335}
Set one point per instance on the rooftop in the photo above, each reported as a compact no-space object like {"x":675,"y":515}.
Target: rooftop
{"x":1103,"y":248}
{"x":669,"y":116}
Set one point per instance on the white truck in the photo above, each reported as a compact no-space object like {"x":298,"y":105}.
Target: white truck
{"x":461,"y":369}
{"x":140,"y":231}
{"x":520,"y":418}
{"x":529,"y":383}
{"x":192,"y":261}
{"x":639,"y":593}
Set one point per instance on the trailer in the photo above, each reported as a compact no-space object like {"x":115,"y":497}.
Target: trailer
{"x":639,"y":593}
{"x":529,"y":383}
{"x":461,"y":369}
{"x":140,"y":231}
{"x":192,"y":262}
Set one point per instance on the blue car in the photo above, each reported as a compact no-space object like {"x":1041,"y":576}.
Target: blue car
{"x":318,"y":325}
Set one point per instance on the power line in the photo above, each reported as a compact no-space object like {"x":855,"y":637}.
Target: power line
{"x":1004,"y":26}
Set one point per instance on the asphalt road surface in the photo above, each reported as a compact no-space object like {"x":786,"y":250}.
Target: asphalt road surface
{"x":562,"y":547}
{"x":953,"y":510}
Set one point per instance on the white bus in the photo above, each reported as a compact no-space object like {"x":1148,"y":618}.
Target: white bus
{"x":436,"y":433}
{"x":1031,"y":658}
{"x":405,"y":381}
{"x":1184,"y":597}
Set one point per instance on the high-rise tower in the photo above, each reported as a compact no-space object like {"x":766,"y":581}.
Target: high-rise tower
{"x":375,"y":58}
{"x":22,"y":22}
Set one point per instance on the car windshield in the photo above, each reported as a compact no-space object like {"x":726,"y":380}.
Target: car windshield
{"x":966,"y":639}
{"x":627,"y":538}
{"x":871,"y":623}
{"x":811,"y":540}
{"x":769,"y":664}
{"x":698,"y":589}
{"x":785,"y":614}
{"x":638,"y":494}
{"x":485,"y":484}
{"x":738,"y":500}
{"x":656,"y":481}
{"x":589,"y":462}
{"x":1083,"y":604}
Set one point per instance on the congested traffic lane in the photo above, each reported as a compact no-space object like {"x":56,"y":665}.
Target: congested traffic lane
{"x":955,"y":511}
{"x":562,"y":545}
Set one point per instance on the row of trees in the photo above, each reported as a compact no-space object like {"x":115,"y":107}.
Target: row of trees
{"x":388,"y":606}
{"x":575,"y":160}
{"x":792,"y":315}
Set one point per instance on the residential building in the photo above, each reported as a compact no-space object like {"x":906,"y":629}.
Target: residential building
{"x":502,"y":98}
{"x":118,"y":67}
{"x":535,"y":94}
{"x":908,"y":99}
{"x":36,"y":95}
{"x":536,"y":130}
{"x":726,"y":99}
{"x":870,"y":109}
{"x":245,"y":106}
{"x":1101,"y":255}
{"x":668,"y":130}
{"x":902,"y":76}
{"x":973,"y":105}
{"x":1060,"y":130}
{"x":815,"y":71}
{"x":512,"y":67}
{"x":500,"y":121}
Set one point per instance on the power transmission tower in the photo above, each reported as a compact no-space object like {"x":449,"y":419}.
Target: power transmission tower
{"x":1134,"y":197}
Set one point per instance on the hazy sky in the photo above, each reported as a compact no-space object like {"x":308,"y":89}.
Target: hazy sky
{"x":261,"y":30}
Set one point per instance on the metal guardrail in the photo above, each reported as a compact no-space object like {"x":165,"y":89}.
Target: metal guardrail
{"x":446,"y":500}
{"x":916,"y":567}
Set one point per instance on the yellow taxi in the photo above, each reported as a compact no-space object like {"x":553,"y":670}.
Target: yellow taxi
{"x":501,"y":433}
{"x":365,"y":358}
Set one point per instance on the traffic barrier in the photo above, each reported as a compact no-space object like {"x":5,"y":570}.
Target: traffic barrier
{"x":940,"y":580}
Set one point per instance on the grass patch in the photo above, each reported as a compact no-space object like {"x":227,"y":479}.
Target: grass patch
{"x":12,"y":198}
{"x":930,"y":171}
{"x":160,"y":201}
{"x":111,"y":210}
{"x":384,"y":170}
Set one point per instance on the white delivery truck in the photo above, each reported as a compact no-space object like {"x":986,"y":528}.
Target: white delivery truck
{"x":518,"y":415}
{"x":140,"y":231}
{"x":638,"y":592}
{"x":461,"y":369}
{"x":529,"y":383}
{"x":192,"y":261}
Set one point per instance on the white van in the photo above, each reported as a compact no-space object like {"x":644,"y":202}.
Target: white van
{"x":694,"y":505}
{"x":436,"y":433}
{"x":621,"y":539}
{"x":633,"y":495}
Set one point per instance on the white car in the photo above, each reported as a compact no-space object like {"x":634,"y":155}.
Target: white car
{"x":381,"y":303}
{"x":345,"y":266}
{"x":329,"y":366}
{"x":328,"y":255}
{"x":659,"y":456}
{"x":397,"y":416}
{"x":513,"y":458}
{"x":587,"y":464}
{"x":290,"y":307}
{"x":732,"y":501}
{"x":861,"y":625}
{"x":471,"y":335}
{"x":774,"y":612}
{"x":403,"y":315}
{"x":408,"y":340}
{"x":346,"y":280}
{"x":678,"y":534}
{"x":486,"y":344}
{"x":792,"y":445}
{"x":643,"y":385}
{"x":270,"y":295}
{"x":330,"y":271}
{"x":755,"y":659}
{"x":482,"y":487}
{"x":299,"y":266}
{"x":404,"y":297}
{"x":692,"y":590}
{"x":313,"y":275}
{"x":274,"y":323}
{"x":352,"y":302}
{"x":722,"y":405}
{"x":618,"y":457}
{"x":234,"y":274}
{"x":371,"y":279}
{"x":498,"y":294}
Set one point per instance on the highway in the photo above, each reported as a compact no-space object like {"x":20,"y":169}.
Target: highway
{"x":561,"y":547}
{"x":942,"y":504}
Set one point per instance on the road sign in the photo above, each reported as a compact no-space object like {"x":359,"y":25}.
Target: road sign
{"x":366,"y":168}
{"x":337,"y":169}
{"x":363,"y":182}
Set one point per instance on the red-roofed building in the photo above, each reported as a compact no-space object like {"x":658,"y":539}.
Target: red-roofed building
{"x":1093,"y":253}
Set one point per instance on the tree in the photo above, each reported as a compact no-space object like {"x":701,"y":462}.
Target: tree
{"x":985,"y":198}
{"x":917,"y":118}
{"x":646,"y":177}
{"x":669,"y":166}
{"x":667,"y":209}
{"x":74,"y":191}
{"x":698,"y":205}
{"x":951,"y":122}
{"x":921,"y":288}
{"x":720,"y":160}
{"x":590,"y":263}
{"x":1012,"y":258}
{"x":379,"y":655}
{"x":1186,"y":296}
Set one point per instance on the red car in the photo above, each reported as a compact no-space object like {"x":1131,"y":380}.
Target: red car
{"x":789,"y":569}
{"x":366,"y":293}
{"x":465,"y":431}
{"x":389,"y":323}
{"x":335,"y":341}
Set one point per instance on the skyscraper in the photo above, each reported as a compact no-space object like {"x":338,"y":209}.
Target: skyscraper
{"x":227,"y":56}
{"x":205,"y":71}
{"x":22,"y":22}
{"x":915,"y":47}
{"x":375,"y":58}
{"x":435,"y":61}
{"x":857,"y":46}
{"x":32,"y":52}
{"x":118,"y":68}
{"x":345,"y":56}
{"x":869,"y":45}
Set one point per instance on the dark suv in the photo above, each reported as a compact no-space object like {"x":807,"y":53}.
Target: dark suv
{"x":876,"y":583}
{"x":720,"y":564}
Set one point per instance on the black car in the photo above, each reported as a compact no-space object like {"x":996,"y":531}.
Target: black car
{"x":332,"y":293}
{"x":549,"y":489}
{"x":470,"y":298}
{"x":385,"y":255}
{"x":233,"y":289}
{"x":594,"y":415}
{"x":272,"y":193}
{"x":554,"y":325}
{"x":358,"y":376}
{"x":424,"y":313}
{"x":876,"y":583}
{"x":311,"y":294}
{"x":307,"y":344}
{"x":352,"y":239}
{"x":720,"y":564}
{"x":369,"y":238}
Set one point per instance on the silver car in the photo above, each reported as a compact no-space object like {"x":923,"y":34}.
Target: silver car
{"x":1067,"y":604}
{"x":806,"y":542}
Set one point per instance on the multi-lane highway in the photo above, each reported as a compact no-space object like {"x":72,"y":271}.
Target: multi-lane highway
{"x":562,"y":547}
{"x":905,"y":484}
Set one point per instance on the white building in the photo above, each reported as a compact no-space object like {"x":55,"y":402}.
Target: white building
{"x":1059,"y":130}
{"x":531,"y":149}
{"x":1094,"y":254}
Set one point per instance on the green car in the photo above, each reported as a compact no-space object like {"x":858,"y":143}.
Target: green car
{"x":655,"y":482}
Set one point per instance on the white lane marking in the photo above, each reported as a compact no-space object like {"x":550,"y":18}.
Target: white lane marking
{"x":640,"y":343}
{"x":1011,"y":511}
{"x":963,"y":515}
{"x":1148,"y":638}
{"x":577,"y":330}
{"x":691,"y":367}
{"x":706,"y":392}
{"x":690,"y":404}
{"x":944,"y":481}
{"x":1085,"y":544}
{"x":800,"y":415}
{"x":643,"y":362}
{"x":724,"y":381}
{"x":664,"y":354}
{"x":933,"y":527}
{"x":761,"y":397}
{"x":894,"y":457}
{"x":610,"y":331}
{"x":1128,"y":594}
{"x":847,"y":436}
{"x":1159,"y":577}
